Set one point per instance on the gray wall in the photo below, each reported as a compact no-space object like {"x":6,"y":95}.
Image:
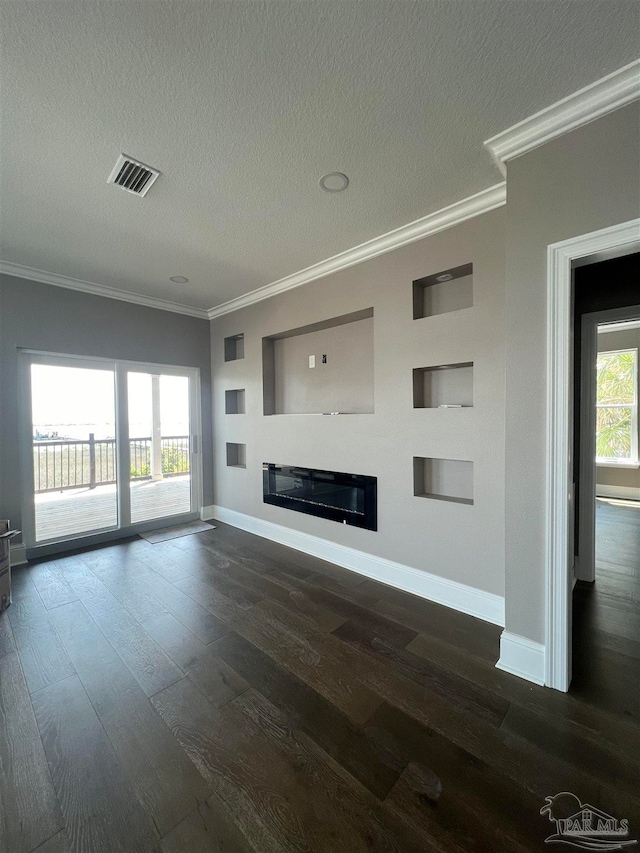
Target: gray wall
{"x":53,"y":319}
{"x":343,"y":384}
{"x":611,"y":475}
{"x":584,"y":181}
{"x":457,"y":541}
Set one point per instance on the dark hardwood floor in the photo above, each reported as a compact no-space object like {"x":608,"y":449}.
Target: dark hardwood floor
{"x":606,"y":614}
{"x":220,"y":692}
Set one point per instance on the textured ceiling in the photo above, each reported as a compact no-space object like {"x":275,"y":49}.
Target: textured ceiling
{"x":244,"y":105}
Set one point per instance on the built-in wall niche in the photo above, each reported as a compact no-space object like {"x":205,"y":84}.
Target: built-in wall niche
{"x":443,"y":479}
{"x":449,"y":290}
{"x":325,"y":368}
{"x":234,"y":347}
{"x":443,"y":386}
{"x":234,"y":402}
{"x":236,"y":455}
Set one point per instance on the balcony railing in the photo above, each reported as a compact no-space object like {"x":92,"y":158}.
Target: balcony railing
{"x":74,"y":464}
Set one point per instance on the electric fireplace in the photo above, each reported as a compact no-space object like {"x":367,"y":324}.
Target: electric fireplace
{"x":347,"y":498}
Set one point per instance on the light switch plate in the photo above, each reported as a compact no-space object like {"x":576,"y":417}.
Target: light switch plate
{"x":312,"y":361}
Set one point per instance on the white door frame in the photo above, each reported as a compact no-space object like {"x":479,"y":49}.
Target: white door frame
{"x":586,"y":564}
{"x":561,"y":258}
{"x":120,"y":368}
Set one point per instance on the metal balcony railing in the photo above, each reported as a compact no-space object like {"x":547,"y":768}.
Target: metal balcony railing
{"x":74,"y":464}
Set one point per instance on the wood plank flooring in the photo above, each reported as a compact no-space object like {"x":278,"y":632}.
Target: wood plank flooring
{"x":224,"y":693}
{"x":606,"y":623}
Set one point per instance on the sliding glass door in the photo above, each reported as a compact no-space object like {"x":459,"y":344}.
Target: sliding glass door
{"x":107,"y":446}
{"x":159,"y":439}
{"x":74,"y":449}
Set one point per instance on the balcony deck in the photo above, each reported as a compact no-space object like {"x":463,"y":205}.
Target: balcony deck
{"x":75,"y":511}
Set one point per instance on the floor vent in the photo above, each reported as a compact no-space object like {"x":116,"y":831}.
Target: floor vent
{"x":132,"y":175}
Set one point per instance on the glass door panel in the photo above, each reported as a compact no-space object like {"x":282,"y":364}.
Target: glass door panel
{"x":73,"y":417}
{"x":159,"y":445}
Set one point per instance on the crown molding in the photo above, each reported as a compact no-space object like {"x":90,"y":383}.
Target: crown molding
{"x":19,"y":271}
{"x":610,"y":93}
{"x":454,"y":214}
{"x":605,"y":95}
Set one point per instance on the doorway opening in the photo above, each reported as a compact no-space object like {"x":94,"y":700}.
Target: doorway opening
{"x":606,"y":596}
{"x":561,"y":513}
{"x":108,"y":448}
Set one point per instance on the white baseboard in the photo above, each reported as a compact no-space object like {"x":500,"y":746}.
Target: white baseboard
{"x":467,"y":599}
{"x":522,"y":657}
{"x":207,"y":513}
{"x":18,"y":555}
{"x":629,"y":493}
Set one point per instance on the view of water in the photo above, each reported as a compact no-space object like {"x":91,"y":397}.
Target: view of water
{"x":81,"y":432}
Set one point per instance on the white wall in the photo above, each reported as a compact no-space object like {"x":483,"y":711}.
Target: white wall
{"x":452,"y":540}
{"x":343,"y":384}
{"x":584,"y":181}
{"x":581,"y":182}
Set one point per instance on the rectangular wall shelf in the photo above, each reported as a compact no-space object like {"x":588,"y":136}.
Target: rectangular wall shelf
{"x":236,"y":455}
{"x":443,"y":479}
{"x":234,"y":402}
{"x":449,"y":290}
{"x":443,"y":385}
{"x":323,"y":368}
{"x":234,"y":347}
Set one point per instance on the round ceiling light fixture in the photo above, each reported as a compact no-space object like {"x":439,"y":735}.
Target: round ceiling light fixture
{"x":446,"y":276}
{"x":334,"y":182}
{"x":179,"y":279}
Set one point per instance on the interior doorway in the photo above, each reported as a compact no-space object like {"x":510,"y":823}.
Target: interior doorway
{"x":108,"y":448}
{"x":606,"y":597}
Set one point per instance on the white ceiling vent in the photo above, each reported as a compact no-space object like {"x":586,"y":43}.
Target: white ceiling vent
{"x":132,"y":175}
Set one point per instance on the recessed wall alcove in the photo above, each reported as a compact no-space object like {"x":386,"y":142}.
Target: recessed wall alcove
{"x":445,"y":291}
{"x":443,"y":479}
{"x":234,"y":401}
{"x":234,"y":347}
{"x":325,"y":368}
{"x":236,"y":455}
{"x":443,"y":385}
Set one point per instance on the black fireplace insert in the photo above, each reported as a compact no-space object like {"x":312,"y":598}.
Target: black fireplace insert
{"x":347,"y":498}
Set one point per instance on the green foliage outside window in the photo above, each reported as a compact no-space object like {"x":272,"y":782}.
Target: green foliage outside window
{"x":616,"y":397}
{"x":175,"y":460}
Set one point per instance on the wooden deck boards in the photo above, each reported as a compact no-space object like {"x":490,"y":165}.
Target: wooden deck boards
{"x":81,"y":510}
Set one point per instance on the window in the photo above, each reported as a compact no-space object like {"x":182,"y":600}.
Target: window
{"x":617,"y":407}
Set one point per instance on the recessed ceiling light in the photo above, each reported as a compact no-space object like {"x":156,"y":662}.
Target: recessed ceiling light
{"x":444,"y":277}
{"x":334,"y":182}
{"x":179,"y":279}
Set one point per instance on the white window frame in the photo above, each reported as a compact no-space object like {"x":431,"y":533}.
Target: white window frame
{"x":632,"y":461}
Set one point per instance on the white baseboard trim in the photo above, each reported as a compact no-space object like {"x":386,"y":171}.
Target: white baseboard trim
{"x":522,"y":657}
{"x":467,"y":599}
{"x":18,"y":555}
{"x":629,"y":493}
{"x":207,"y":513}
